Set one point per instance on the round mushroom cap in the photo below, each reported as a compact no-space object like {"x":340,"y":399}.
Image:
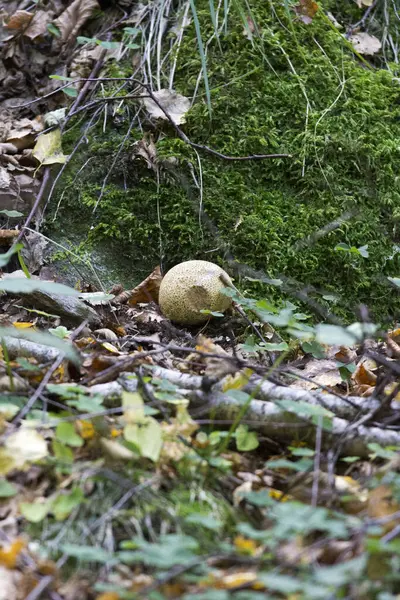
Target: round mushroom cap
{"x":190,"y":287}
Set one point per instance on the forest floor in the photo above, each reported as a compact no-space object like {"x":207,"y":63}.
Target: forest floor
{"x":255,"y":455}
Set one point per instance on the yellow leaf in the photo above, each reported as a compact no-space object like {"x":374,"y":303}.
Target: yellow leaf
{"x":22,"y":325}
{"x":86,"y":429}
{"x":245,"y":545}
{"x":9,"y":556}
{"x":133,"y":407}
{"x":238,"y":381}
{"x":48,"y":150}
{"x":108,"y":596}
{"x":231,"y":581}
{"x":110,"y":348}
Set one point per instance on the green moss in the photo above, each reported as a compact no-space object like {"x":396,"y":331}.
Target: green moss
{"x":296,"y":89}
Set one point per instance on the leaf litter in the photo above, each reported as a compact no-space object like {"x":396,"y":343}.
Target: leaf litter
{"x":127,"y":439}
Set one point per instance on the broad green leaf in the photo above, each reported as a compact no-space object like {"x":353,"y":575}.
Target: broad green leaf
{"x":81,"y":39}
{"x":172,"y":549}
{"x":340,"y":574}
{"x":300,"y":466}
{"x":62,"y":453}
{"x":66,"y":434}
{"x":133,"y":407}
{"x":87,"y":553}
{"x":313,"y":348}
{"x":204,"y":521}
{"x":246,"y":440}
{"x":131,"y":30}
{"x":60,"y":331}
{"x":48,"y":150}
{"x":34,"y":512}
{"x":146,"y":435}
{"x":7,"y":489}
{"x":277,"y":347}
{"x":41,"y":338}
{"x":71,"y":92}
{"x":64,"y":504}
{"x":11,"y":213}
{"x":23,"y":285}
{"x":109,"y":45}
{"x":304,"y":409}
{"x":284,"y":584}
{"x":333,"y":334}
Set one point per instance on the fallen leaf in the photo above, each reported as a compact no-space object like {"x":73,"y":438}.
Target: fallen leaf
{"x":48,"y":150}
{"x":19,"y":20}
{"x":146,"y":148}
{"x":364,"y":376}
{"x":9,"y":555}
{"x":306,"y":10}
{"x":147,"y":290}
{"x":174,"y":104}
{"x":38,"y":24}
{"x":20,"y":448}
{"x":9,"y":584}
{"x":74,"y":17}
{"x":365,"y":43}
{"x":361,"y":3}
{"x":382,"y":503}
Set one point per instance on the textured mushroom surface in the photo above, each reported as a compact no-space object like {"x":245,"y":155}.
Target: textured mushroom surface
{"x":190,"y":287}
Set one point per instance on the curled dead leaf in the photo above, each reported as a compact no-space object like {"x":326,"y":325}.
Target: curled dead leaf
{"x":74,"y":17}
{"x":19,"y":20}
{"x":365,"y":43}
{"x":175,"y":105}
{"x":148,"y":289}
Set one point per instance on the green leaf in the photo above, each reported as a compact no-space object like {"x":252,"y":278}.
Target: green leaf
{"x":131,"y":30}
{"x":363,"y":251}
{"x":41,"y":338}
{"x":333,"y":334}
{"x":8,"y":410}
{"x":85,"y":40}
{"x":304,"y":409}
{"x":34,"y":512}
{"x":132,"y":46}
{"x":146,"y":435}
{"x":87,"y":553}
{"x":60,"y":332}
{"x":313,"y":348}
{"x":284,"y":584}
{"x":65,"y":433}
{"x":7,"y":490}
{"x":203,"y":521}
{"x":109,"y":45}
{"x":300,"y":466}
{"x":5,"y":258}
{"x":65,"y":503}
{"x":346,"y":572}
{"x":62,"y":453}
{"x":246,"y":440}
{"x":71,"y":92}
{"x":11,"y":213}
{"x":172,"y":549}
{"x":61,"y":78}
{"x":23,"y":285}
{"x":51,"y":28}
{"x":281,"y":347}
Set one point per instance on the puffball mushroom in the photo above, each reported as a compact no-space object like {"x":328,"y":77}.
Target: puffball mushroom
{"x":193,"y":286}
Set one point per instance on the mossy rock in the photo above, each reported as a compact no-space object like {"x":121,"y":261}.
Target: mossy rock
{"x":295,"y":89}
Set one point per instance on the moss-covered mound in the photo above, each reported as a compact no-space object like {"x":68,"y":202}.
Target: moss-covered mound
{"x":293,"y":88}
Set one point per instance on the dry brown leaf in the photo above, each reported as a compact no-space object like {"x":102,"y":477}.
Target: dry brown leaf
{"x":365,"y":43}
{"x":174,"y":104}
{"x":147,"y":290}
{"x":382,"y":503}
{"x":319,"y":372}
{"x":146,"y":148}
{"x":306,"y":10}
{"x":74,"y":17}
{"x":19,"y":20}
{"x":38,"y":24}
{"x":364,"y":376}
